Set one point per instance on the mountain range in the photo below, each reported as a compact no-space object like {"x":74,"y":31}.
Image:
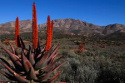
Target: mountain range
{"x":68,"y":26}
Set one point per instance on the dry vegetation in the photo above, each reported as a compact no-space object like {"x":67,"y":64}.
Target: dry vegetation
{"x":103,"y":62}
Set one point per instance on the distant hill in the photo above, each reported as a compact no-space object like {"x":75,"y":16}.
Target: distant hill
{"x":75,"y":27}
{"x":68,"y":26}
{"x":9,"y":27}
{"x":118,"y":35}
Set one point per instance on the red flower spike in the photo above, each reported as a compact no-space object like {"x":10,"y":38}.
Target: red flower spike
{"x":49,"y":34}
{"x":16,"y":31}
{"x":34,"y":27}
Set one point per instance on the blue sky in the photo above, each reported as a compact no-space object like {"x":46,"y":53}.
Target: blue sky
{"x":99,"y":12}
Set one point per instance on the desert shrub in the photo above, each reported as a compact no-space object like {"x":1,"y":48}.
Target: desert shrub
{"x":76,"y":72}
{"x":96,"y":65}
{"x":111,"y":73}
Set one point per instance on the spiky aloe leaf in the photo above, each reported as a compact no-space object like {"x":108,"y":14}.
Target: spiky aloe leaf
{"x":11,"y":65}
{"x":41,"y":61}
{"x":6,"y":66}
{"x":31,"y":58}
{"x":3,"y":73}
{"x":49,"y":61}
{"x":44,"y":77}
{"x":13,"y":57}
{"x":51,"y":64}
{"x":12,"y":48}
{"x":20,"y":78}
{"x":28,"y":67}
{"x":32,"y":74}
{"x":3,"y":60}
{"x":20,"y":42}
{"x":53,"y":52}
{"x":38,"y":49}
{"x":55,"y":77}
{"x":7,"y":75}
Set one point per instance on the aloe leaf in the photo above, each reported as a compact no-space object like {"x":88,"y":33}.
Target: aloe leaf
{"x":20,"y":78}
{"x":12,"y":71}
{"x":55,"y":77}
{"x":20,"y":42}
{"x":7,"y":75}
{"x":32,"y":74}
{"x":53,"y":53}
{"x":12,"y":48}
{"x":38,"y":50}
{"x":50,"y":72}
{"x":31,"y":58}
{"x":4,"y":74}
{"x":29,"y":52}
{"x":27,"y":65}
{"x":56,"y":68}
{"x":14,"y":58}
{"x":55,"y":59}
{"x":5,"y":61}
{"x":52,"y":58}
{"x":30,"y":55}
{"x":38,"y":45}
{"x":50,"y":66}
{"x":41,"y":61}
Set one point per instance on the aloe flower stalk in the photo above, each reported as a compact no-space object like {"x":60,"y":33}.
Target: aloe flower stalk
{"x":49,"y":34}
{"x":34,"y":27}
{"x":16,"y":31}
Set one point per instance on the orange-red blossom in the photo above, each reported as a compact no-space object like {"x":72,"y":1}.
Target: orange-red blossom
{"x":34,"y":27}
{"x":16,"y":31}
{"x":49,"y":34}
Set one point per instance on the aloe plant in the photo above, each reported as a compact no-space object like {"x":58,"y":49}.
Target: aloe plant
{"x":36,"y":64}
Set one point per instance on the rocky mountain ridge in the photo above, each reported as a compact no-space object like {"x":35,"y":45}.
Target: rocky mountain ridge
{"x":68,"y":26}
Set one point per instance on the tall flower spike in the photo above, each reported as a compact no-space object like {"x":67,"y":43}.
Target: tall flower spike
{"x":16,"y":31}
{"x":49,"y":35}
{"x":34,"y":27}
